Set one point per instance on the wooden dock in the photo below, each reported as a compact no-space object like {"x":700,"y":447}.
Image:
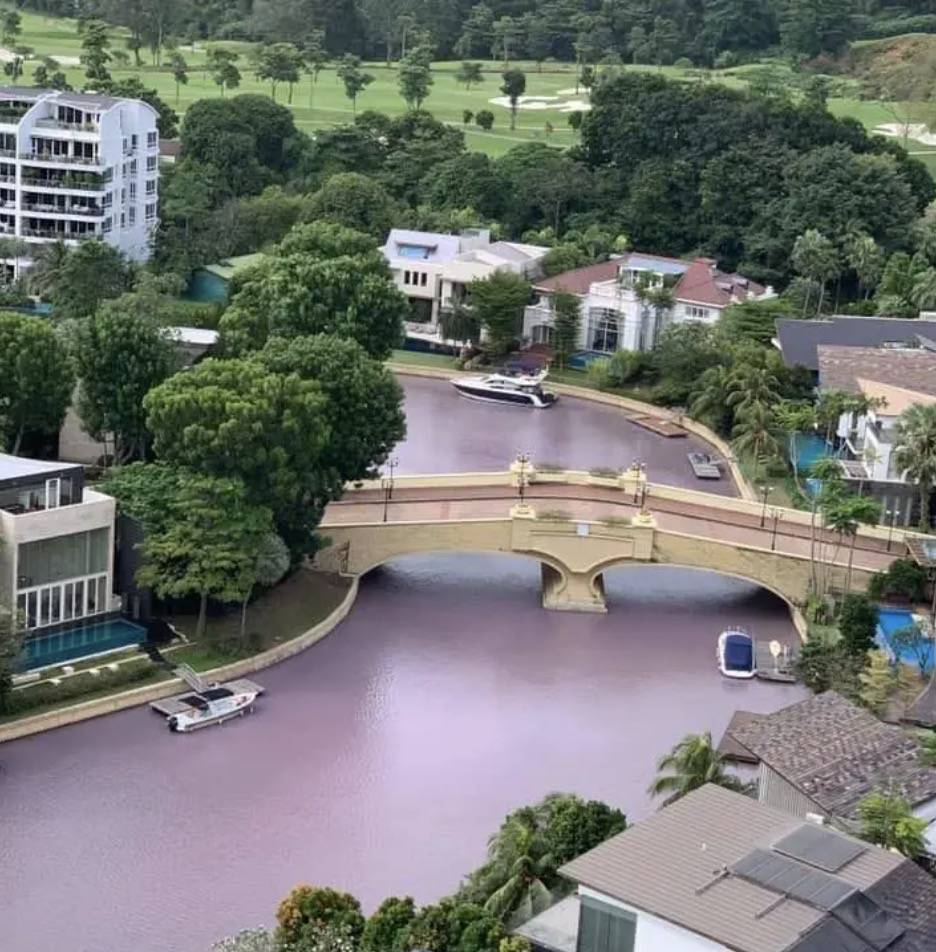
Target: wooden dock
{"x":658,"y":425}
{"x":176,"y":704}
{"x":779,"y":670}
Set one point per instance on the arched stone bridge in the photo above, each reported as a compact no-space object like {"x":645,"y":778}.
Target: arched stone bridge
{"x":577,"y":525}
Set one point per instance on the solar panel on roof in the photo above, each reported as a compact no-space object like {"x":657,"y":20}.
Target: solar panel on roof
{"x":863,"y":915}
{"x":818,"y":847}
{"x":793,"y":879}
{"x":829,"y":936}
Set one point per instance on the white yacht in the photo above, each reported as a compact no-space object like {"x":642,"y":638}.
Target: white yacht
{"x":212,"y":706}
{"x":736,"y":654}
{"x":523,"y":389}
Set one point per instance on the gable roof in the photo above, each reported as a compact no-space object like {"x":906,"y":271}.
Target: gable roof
{"x":800,"y":339}
{"x":703,"y":283}
{"x":845,"y":368}
{"x":837,"y":753}
{"x":579,"y":280}
{"x":689,"y":864}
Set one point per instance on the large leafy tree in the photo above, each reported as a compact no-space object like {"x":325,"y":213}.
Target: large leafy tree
{"x":88,"y":275}
{"x":307,"y":908}
{"x":498,"y":302}
{"x":206,"y":547}
{"x":10,"y":647}
{"x":355,"y":201}
{"x":353,"y":78}
{"x":351,"y":297}
{"x":386,"y":927}
{"x":237,"y":419}
{"x":513,"y":87}
{"x":121,"y":354}
{"x":692,"y":763}
{"x":36,"y":379}
{"x":566,"y":324}
{"x":365,"y":402}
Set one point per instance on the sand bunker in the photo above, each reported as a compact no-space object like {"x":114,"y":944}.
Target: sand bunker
{"x":914,"y":130}
{"x":543,"y":102}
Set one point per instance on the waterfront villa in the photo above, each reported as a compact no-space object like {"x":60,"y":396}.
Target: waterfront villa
{"x":822,"y":756}
{"x":890,"y":379}
{"x":76,"y":166}
{"x":717,"y":870}
{"x":625,"y":304}
{"x":434,"y":270}
{"x":56,"y":545}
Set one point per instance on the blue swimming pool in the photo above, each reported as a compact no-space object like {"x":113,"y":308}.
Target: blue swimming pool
{"x":79,"y":642}
{"x":892,"y":620}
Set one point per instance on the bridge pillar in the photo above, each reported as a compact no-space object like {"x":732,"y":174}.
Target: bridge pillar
{"x":572,"y":591}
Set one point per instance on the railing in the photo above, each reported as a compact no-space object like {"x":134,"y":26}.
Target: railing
{"x":55,"y":234}
{"x":8,"y":153}
{"x":67,"y":159}
{"x":40,"y":184}
{"x":62,"y":124}
{"x":58,"y":210}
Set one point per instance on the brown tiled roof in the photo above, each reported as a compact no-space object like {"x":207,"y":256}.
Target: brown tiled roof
{"x":842,"y":368}
{"x":581,"y":279}
{"x":675,"y":866}
{"x":836,"y":753}
{"x":703,"y":283}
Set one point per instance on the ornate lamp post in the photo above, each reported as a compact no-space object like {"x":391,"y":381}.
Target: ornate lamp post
{"x":523,"y":460}
{"x":765,"y":492}
{"x":386,"y":483}
{"x":775,"y":515}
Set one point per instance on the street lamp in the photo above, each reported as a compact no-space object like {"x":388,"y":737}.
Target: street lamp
{"x":765,"y":492}
{"x":638,"y":468}
{"x":392,"y":464}
{"x":891,"y":516}
{"x":523,"y":460}
{"x":775,"y":515}
{"x":385,"y":486}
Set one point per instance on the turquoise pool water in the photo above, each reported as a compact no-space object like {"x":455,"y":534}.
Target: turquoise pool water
{"x":891,"y":620}
{"x":79,"y":642}
{"x":809,"y":449}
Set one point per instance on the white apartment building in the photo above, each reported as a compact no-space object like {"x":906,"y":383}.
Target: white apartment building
{"x":618,"y":310}
{"x":75,"y":166}
{"x":434,"y":270}
{"x":56,"y":544}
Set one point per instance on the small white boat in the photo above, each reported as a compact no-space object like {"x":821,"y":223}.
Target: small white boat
{"x":518,"y":389}
{"x":736,"y":654}
{"x":213,"y":706}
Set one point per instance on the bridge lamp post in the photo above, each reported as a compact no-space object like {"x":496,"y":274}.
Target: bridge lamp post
{"x":765,"y":492}
{"x":523,"y":460}
{"x":386,"y":484}
{"x":392,"y":464}
{"x":775,"y":515}
{"x":891,"y":516}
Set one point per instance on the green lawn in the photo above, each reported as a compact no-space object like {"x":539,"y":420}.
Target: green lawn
{"x":328,"y":105}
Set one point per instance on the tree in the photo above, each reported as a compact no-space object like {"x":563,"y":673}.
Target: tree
{"x":250,"y":940}
{"x":498,"y":302}
{"x":513,"y":87}
{"x":308,"y":907}
{"x":753,"y":434}
{"x":234,"y":419}
{"x":13,"y":67}
{"x":90,"y":274}
{"x":11,"y":28}
{"x":508,"y":33}
{"x":179,"y":69}
{"x":415,"y":78}
{"x":524,"y":893}
{"x":912,"y":642}
{"x":904,"y":578}
{"x":315,"y":59}
{"x":278,"y":63}
{"x":269,"y":564}
{"x":386,"y":926}
{"x":866,"y":258}
{"x":888,"y":821}
{"x":95,"y":43}
{"x":36,"y":378}
{"x":48,"y":262}
{"x":567,"y":325}
{"x":11,"y":644}
{"x":845,"y":515}
{"x":121,"y":354}
{"x":469,"y":74}
{"x":878,"y":681}
{"x":816,"y":257}
{"x":692,"y":763}
{"x":207,"y":547}
{"x":710,"y":401}
{"x":573,"y":826}
{"x":858,"y":624}
{"x":752,"y":320}
{"x":353,"y":78}
{"x":355,"y":201}
{"x":916,"y":453}
{"x":484,"y":119}
{"x":222,"y":66}
{"x":364,"y":402}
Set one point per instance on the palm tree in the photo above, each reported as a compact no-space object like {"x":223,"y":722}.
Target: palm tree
{"x":828,"y":473}
{"x":752,"y":387}
{"x":527,"y":862}
{"x":47,"y":267}
{"x":845,"y":514}
{"x":753,"y":434}
{"x":711,"y":400}
{"x":692,"y":763}
{"x":923,"y":294}
{"x":916,"y":453}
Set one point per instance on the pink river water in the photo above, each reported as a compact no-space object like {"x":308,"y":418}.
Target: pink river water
{"x":381,"y":759}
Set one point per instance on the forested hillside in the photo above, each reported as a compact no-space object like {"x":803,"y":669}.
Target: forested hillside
{"x":705,"y":32}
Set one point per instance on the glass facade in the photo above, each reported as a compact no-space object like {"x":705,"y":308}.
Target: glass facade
{"x":63,"y":578}
{"x":605,"y":928}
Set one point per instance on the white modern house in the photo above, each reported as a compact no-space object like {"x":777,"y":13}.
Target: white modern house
{"x":887,"y":380}
{"x":56,"y":544}
{"x":76,"y":166}
{"x":716,"y":871}
{"x":434,"y":270}
{"x":622,"y":305}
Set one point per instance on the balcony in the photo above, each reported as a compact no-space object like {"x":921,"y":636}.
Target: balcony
{"x":43,"y":209}
{"x":74,"y":184}
{"x":52,"y":123}
{"x":93,"y":162}
{"x":55,"y":234}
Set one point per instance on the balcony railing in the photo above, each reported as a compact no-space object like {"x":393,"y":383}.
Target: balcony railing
{"x":62,"y":124}
{"x":55,"y":234}
{"x":67,"y":159}
{"x":61,"y":210}
{"x":41,"y":184}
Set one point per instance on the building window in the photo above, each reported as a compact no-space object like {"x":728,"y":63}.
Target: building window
{"x":695,"y":313}
{"x":151,"y":212}
{"x":603,"y":331}
{"x":605,"y":928}
{"x":132,"y":191}
{"x":151,"y":139}
{"x":151,"y":186}
{"x":133,"y":141}
{"x":123,"y":220}
{"x":133,"y":167}
{"x":542,"y":334}
{"x":107,"y":225}
{"x":406,"y":277}
{"x":423,"y":279}
{"x":132,"y":214}
{"x":151,"y":162}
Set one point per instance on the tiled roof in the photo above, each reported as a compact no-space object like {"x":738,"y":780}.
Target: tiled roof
{"x":844,"y":368}
{"x":579,"y":280}
{"x":703,"y":283}
{"x":799,"y":340}
{"x":837,"y":753}
{"x":677,"y":865}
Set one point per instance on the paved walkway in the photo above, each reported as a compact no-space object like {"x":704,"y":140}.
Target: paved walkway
{"x":594,"y":503}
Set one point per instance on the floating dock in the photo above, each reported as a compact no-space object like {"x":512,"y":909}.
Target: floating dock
{"x":703,"y":466}
{"x":780,"y":669}
{"x":658,"y":425}
{"x":177,"y":704}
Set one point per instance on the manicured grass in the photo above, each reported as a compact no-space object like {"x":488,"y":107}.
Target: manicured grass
{"x":327,"y":104}
{"x":419,"y":359}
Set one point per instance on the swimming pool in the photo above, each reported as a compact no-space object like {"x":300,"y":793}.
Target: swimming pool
{"x":892,"y":620}
{"x":79,"y":642}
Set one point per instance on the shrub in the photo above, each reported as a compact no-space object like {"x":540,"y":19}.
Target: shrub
{"x":484,"y":119}
{"x":726,"y":59}
{"x":824,"y":666}
{"x":598,"y":373}
{"x":558,"y":515}
{"x":467,"y":116}
{"x":858,"y":624}
{"x":385,"y":928}
{"x":904,"y":578}
{"x":627,"y":365}
{"x":683,"y":63}
{"x":310,"y":908}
